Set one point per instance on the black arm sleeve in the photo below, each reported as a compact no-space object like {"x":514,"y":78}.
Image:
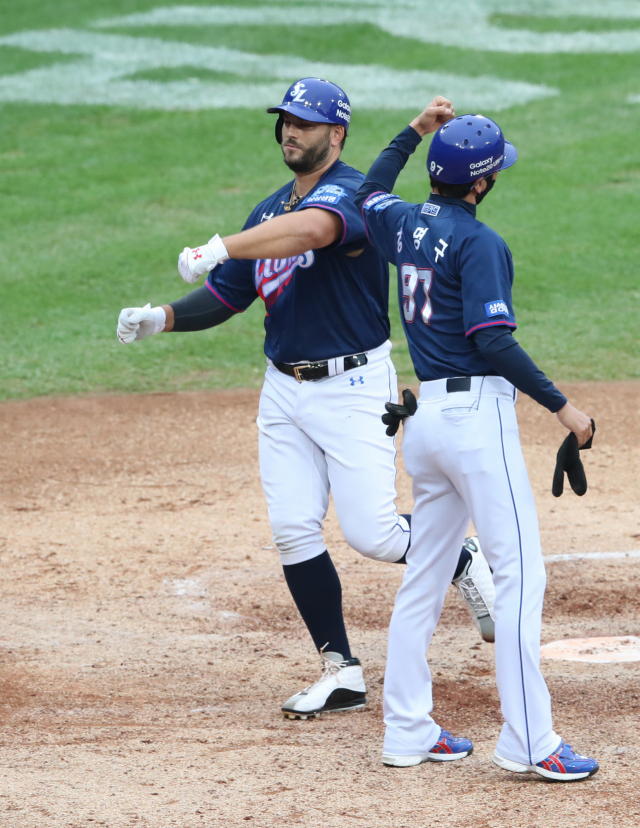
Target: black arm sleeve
{"x":502,"y":352}
{"x":388,"y":165}
{"x":198,"y":311}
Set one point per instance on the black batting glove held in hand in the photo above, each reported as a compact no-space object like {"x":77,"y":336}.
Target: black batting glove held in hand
{"x":568,"y":460}
{"x":397,"y":413}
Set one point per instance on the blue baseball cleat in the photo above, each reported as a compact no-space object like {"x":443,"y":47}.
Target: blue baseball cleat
{"x":564,"y":765}
{"x":447,"y":747}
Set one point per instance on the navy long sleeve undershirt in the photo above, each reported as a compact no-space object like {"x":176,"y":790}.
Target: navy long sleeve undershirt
{"x":505,"y":355}
{"x":198,"y":311}
{"x":496,"y":344}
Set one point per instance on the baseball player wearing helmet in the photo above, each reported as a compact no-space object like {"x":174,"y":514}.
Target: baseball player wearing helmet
{"x":304,"y":252}
{"x":461,"y":446}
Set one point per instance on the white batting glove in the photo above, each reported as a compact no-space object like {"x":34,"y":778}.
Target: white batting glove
{"x":192,"y":264}
{"x":139,"y":323}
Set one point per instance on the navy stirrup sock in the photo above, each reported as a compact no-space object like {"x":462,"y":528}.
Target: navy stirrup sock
{"x":316,"y":589}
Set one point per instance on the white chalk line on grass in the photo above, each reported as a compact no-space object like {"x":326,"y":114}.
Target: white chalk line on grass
{"x":107,"y":65}
{"x":592,"y":556}
{"x":466,"y":24}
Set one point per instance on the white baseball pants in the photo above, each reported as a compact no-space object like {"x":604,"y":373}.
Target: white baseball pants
{"x":463,"y":453}
{"x":328,"y":435}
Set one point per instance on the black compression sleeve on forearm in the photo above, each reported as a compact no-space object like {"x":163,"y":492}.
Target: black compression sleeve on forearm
{"x":504,"y":354}
{"x":198,"y":311}
{"x":388,"y":165}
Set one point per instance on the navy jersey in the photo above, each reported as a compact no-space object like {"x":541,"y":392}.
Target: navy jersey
{"x":454,"y":278}
{"x":323,"y":303}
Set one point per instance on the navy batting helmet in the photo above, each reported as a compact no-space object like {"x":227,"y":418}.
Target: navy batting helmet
{"x":314,"y":99}
{"x":468,"y":149}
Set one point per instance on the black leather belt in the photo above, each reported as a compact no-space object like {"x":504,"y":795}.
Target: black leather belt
{"x":312,"y":371}
{"x":458,"y":384}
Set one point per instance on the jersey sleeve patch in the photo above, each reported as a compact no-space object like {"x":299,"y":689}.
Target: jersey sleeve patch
{"x":380,"y":202}
{"x":496,"y":308}
{"x":327,"y":194}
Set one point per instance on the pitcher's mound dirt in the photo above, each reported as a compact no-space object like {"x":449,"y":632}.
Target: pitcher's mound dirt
{"x":148,"y":638}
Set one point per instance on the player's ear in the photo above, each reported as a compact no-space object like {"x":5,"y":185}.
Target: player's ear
{"x":337,"y":135}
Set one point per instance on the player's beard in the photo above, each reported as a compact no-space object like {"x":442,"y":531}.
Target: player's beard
{"x":311,"y":158}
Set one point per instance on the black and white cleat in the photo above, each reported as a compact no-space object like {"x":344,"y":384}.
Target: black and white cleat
{"x":340,"y":687}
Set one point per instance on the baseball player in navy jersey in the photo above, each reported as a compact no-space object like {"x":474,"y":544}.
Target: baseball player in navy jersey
{"x":304,"y":252}
{"x":461,"y":446}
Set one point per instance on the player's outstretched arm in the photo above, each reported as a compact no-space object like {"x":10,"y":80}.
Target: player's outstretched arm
{"x":197,"y":311}
{"x":279,"y":238}
{"x":285,"y":236}
{"x":385,"y":170}
{"x":504,"y":353}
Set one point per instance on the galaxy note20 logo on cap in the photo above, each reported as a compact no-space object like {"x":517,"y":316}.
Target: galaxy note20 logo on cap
{"x":496,"y":308}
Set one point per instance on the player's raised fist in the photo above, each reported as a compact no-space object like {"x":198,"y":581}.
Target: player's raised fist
{"x":139,"y":323}
{"x":194,"y":263}
{"x":437,"y":113}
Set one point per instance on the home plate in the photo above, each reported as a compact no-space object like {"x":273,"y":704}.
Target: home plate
{"x":604,"y":649}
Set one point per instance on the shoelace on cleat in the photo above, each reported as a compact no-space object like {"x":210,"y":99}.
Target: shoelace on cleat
{"x":329,"y":669}
{"x":472,"y":595}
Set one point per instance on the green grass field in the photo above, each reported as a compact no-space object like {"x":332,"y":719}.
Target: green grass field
{"x":98,"y":200}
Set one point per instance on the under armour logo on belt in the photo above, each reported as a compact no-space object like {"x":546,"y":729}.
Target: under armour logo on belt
{"x":353,"y":380}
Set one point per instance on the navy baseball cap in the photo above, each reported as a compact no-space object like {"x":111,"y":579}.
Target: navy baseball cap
{"x":314,"y":99}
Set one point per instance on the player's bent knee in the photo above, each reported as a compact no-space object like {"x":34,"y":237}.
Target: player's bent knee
{"x":380,"y":543}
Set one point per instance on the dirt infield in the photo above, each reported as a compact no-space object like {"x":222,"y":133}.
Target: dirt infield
{"x":147,"y":637}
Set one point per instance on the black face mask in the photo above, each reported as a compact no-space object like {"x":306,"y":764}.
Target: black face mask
{"x":490,"y":182}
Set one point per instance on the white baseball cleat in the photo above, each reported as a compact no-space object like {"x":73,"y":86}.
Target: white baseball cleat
{"x":340,"y":687}
{"x":475,"y":584}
